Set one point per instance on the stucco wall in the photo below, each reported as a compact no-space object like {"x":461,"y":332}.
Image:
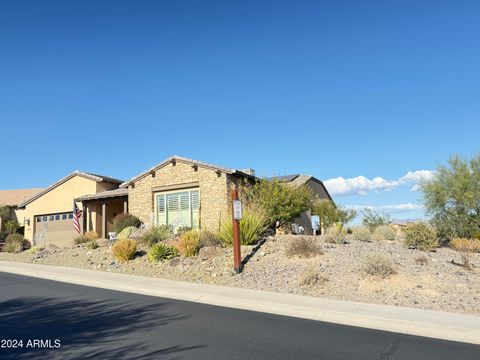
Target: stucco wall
{"x":58,"y":200}
{"x":212,"y":186}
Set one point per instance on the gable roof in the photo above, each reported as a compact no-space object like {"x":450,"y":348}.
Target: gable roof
{"x":299,"y":179}
{"x":188,"y":161}
{"x":94,"y":177}
{"x":15,"y":197}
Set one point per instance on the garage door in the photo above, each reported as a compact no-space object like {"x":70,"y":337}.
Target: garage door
{"x":54,"y":229}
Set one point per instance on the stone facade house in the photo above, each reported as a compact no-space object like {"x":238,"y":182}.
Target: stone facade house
{"x":183,"y":193}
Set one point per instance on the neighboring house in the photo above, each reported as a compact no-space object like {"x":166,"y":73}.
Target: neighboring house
{"x":12,"y":198}
{"x":48,"y":214}
{"x":183,"y":192}
{"x":316,"y":186}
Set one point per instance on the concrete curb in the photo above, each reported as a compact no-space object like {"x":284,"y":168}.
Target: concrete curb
{"x":433,"y":324}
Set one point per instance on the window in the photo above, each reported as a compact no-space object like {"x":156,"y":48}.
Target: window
{"x":178,"y":208}
{"x":51,"y":218}
{"x":39,"y":219}
{"x":70,"y":215}
{"x":64,"y":217}
{"x":45,"y":218}
{"x":57,"y":217}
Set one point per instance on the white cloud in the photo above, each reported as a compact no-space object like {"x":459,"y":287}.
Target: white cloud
{"x":395,"y":208}
{"x":360,"y":185}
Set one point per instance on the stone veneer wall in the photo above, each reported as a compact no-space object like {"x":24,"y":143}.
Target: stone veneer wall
{"x":214,"y":189}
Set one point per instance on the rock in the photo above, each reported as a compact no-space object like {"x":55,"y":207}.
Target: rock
{"x":209,"y":252}
{"x":74,"y":255}
{"x":89,"y":253}
{"x":175,"y":261}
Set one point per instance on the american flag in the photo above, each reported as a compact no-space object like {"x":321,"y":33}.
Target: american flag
{"x":77,"y":213}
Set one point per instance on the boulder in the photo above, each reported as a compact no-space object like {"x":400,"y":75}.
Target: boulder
{"x":210,"y":252}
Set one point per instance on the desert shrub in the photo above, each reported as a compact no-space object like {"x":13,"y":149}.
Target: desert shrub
{"x":181,"y":229}
{"x":330,"y":214}
{"x":278,"y":201}
{"x":81,"y":239}
{"x":372,"y":219}
{"x":14,"y":243}
{"x":124,"y":249}
{"x":92,"y":244}
{"x":155,"y":234}
{"x":421,"y":259}
{"x":303,"y":247}
{"x":91,"y":235}
{"x":465,"y":247}
{"x":189,"y":243}
{"x":336,"y":234}
{"x":35,"y":249}
{"x":378,"y":264}
{"x":312,"y":277}
{"x":161,"y":252}
{"x":384,"y":232}
{"x":421,"y":236}
{"x":209,"y":238}
{"x":362,"y":233}
{"x":123,"y":220}
{"x":252,"y":227}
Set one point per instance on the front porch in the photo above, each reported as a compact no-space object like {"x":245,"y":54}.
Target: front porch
{"x":100,"y":209}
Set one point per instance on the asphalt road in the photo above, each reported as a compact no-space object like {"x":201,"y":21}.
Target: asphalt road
{"x":91,"y":323}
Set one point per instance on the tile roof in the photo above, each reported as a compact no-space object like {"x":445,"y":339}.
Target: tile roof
{"x":15,"y":197}
{"x":104,"y":194}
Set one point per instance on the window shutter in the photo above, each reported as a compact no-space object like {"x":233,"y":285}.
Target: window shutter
{"x":161,"y":210}
{"x":195,"y":208}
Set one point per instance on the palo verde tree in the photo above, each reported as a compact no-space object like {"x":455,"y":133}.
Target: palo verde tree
{"x":279,"y":202}
{"x":330,"y":214}
{"x":452,"y":198}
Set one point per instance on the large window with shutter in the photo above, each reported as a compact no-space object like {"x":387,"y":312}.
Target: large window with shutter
{"x":178,"y":208}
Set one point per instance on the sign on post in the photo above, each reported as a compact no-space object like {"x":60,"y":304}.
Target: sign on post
{"x":237,"y":210}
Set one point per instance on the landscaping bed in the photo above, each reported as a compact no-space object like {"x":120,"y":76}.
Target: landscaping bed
{"x":401,"y":276}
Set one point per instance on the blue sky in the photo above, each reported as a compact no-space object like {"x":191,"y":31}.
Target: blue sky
{"x":333,"y":89}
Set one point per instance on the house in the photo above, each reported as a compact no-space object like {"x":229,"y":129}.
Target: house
{"x":12,"y":198}
{"x":183,"y":192}
{"x":316,"y":186}
{"x":48,"y":214}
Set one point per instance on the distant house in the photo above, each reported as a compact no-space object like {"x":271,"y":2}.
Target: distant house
{"x":12,"y":198}
{"x":318,"y":189}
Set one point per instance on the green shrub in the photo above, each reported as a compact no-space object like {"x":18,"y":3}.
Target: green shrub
{"x":384,"y":232}
{"x":209,"y":238}
{"x":252,"y":228}
{"x":421,"y":236}
{"x":303,"y":247}
{"x":125,"y":233}
{"x":11,"y":226}
{"x":161,"y":252}
{"x":362,"y":233}
{"x":81,"y":239}
{"x":92,"y":244}
{"x":124,"y":249}
{"x":189,"y":243}
{"x":14,"y":243}
{"x":330,"y":214}
{"x":155,"y":234}
{"x":278,"y":201}
{"x":35,"y":249}
{"x":378,"y":264}
{"x":122,"y":221}
{"x":336,"y":234}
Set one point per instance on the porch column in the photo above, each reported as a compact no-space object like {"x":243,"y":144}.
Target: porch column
{"x":104,"y":221}
{"x":86,"y":224}
{"x":125,"y":206}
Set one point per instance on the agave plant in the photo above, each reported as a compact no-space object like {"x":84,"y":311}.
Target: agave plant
{"x":161,"y":252}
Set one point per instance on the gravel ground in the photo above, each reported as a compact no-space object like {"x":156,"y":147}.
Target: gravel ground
{"x":437,"y":283}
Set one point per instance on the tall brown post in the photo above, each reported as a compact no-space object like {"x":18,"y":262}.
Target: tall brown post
{"x":237,"y":257}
